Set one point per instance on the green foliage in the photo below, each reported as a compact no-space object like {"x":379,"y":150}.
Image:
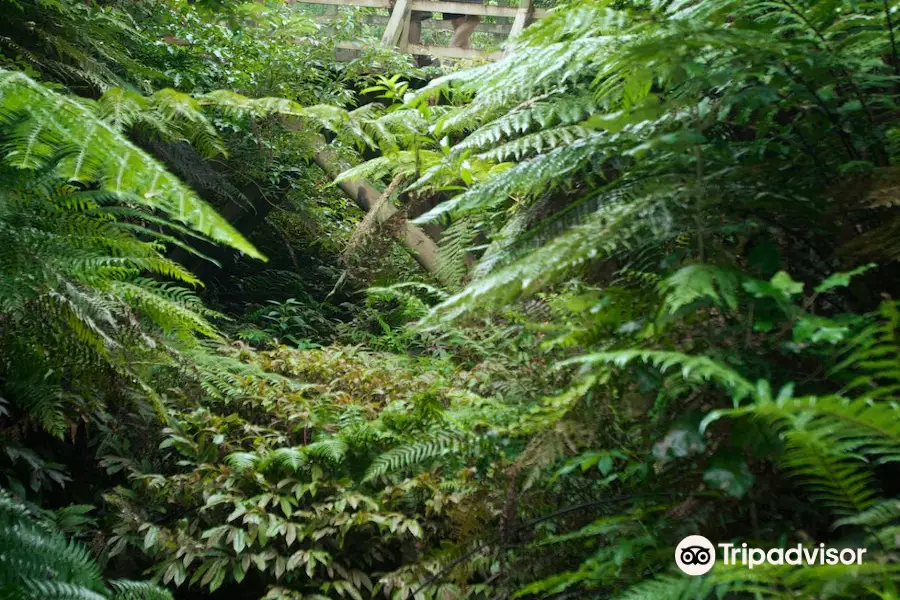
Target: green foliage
{"x":655,"y":214}
{"x":87,"y":287}
{"x":300,"y":516}
{"x":37,"y":561}
{"x":82,"y":44}
{"x":44,"y":130}
{"x":695,"y":168}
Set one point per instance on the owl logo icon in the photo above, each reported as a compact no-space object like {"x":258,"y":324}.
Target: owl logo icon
{"x":695,"y":555}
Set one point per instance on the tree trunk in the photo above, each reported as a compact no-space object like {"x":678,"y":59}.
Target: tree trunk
{"x":364,"y":194}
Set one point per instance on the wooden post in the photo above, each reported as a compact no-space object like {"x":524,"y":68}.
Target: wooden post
{"x":403,"y":42}
{"x":526,"y":7}
{"x":399,"y":17}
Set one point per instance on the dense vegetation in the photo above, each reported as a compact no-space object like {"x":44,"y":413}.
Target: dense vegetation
{"x":661,"y":303}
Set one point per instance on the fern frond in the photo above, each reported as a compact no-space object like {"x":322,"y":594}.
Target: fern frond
{"x":403,"y":457}
{"x":698,"y":369}
{"x":42,"y":561}
{"x":331,"y":449}
{"x":526,"y":179}
{"x":456,"y":243}
{"x":40,"y":126}
{"x":137,"y":590}
{"x":830,"y":440}
{"x":873,"y":356}
{"x":696,"y":282}
{"x":538,"y":142}
{"x":551,"y":110}
{"x":886,"y":512}
{"x":610,"y":228}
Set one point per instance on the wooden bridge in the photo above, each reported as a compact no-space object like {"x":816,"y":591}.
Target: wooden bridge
{"x":396,"y":24}
{"x":396,"y":34}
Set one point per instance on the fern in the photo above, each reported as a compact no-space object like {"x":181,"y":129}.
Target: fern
{"x":872,"y":357}
{"x":137,"y":590}
{"x":80,"y":44}
{"x":696,"y":282}
{"x":81,"y":295}
{"x":38,"y":562}
{"x":826,"y":437}
{"x":331,"y":449}
{"x":403,"y":457}
{"x":886,"y":512}
{"x":525,"y":179}
{"x":565,"y":110}
{"x":39,"y":124}
{"x":454,"y":250}
{"x":537,"y":143}
{"x":167,"y":114}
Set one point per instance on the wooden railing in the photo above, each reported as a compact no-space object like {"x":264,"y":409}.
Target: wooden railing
{"x":396,"y":32}
{"x":495,"y":29}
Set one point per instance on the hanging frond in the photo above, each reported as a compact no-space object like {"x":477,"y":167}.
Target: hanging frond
{"x":42,"y":128}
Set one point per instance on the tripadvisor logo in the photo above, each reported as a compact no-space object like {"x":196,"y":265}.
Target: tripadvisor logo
{"x":696,"y":555}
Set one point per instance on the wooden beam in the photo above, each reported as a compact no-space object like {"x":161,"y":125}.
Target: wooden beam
{"x":460,"y":8}
{"x":364,"y":3}
{"x":448,"y":52}
{"x":497,"y":29}
{"x":364,"y":194}
{"x":403,"y":43}
{"x":438,"y":51}
{"x":464,"y":8}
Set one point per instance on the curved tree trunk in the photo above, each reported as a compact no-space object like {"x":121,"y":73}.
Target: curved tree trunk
{"x":364,"y":194}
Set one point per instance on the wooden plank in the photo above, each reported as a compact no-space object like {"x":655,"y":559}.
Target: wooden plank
{"x":448,"y":52}
{"x":498,"y":29}
{"x":364,"y":3}
{"x":399,"y":16}
{"x":464,"y":8}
